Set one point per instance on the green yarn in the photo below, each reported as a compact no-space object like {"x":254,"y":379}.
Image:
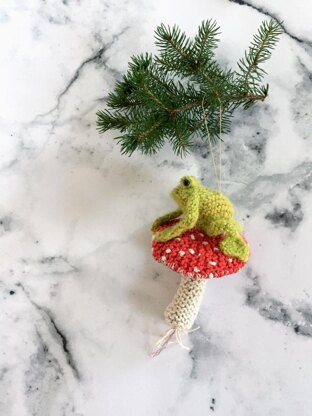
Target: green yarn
{"x":208,"y":210}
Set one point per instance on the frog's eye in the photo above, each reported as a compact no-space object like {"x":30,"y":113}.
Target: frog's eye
{"x":186,"y":182}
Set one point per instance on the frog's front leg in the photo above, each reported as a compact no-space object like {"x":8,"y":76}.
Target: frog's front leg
{"x":232,"y":244}
{"x":175,"y":230}
{"x":164,"y":218}
{"x":189,"y":220}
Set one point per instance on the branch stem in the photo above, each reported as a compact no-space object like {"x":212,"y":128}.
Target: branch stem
{"x":142,"y":136}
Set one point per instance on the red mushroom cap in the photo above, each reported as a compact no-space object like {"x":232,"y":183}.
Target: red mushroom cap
{"x":195,"y":254}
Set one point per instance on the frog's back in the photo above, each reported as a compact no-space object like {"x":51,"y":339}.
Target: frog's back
{"x":215,"y":204}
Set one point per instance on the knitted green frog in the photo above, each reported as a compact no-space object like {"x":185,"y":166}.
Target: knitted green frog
{"x":208,"y":210}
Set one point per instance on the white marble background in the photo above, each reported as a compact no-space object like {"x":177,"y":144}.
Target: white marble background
{"x":81,"y":299}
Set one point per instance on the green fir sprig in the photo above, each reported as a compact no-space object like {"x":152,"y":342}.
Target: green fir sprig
{"x":172,"y":95}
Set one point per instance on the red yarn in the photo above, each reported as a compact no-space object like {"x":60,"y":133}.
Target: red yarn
{"x":194,"y":254}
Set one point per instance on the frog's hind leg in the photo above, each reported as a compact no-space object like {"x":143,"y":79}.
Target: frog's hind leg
{"x":233,"y":243}
{"x":235,"y":246}
{"x":217,"y":226}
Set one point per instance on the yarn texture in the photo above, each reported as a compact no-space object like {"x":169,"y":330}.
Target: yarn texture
{"x":195,"y":255}
{"x":182,"y":311}
{"x":207,"y":210}
{"x":200,"y":240}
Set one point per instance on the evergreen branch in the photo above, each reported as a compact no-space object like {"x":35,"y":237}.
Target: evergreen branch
{"x":242,"y":97}
{"x":164,"y":82}
{"x":180,"y":140}
{"x":260,"y":50}
{"x":206,"y":40}
{"x":187,"y":107}
{"x":170,"y":95}
{"x":155,"y":99}
{"x":108,"y":120}
{"x":250,"y":97}
{"x":146,"y":133}
{"x":172,"y":42}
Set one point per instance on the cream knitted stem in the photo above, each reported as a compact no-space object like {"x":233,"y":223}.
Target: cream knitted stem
{"x":182,"y":311}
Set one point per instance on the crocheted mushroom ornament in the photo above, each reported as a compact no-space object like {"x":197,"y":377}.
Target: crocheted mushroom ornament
{"x":205,"y":242}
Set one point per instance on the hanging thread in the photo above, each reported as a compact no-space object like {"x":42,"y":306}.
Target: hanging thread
{"x":217,"y":176}
{"x":220,"y":144}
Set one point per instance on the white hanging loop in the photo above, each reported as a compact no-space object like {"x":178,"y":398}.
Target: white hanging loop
{"x":217,"y":176}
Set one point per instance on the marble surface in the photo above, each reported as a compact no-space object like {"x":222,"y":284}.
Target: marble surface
{"x":81,"y":300}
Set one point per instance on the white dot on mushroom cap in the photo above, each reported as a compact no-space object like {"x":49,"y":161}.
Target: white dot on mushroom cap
{"x":181,"y":253}
{"x":216,"y":249}
{"x":168,"y":250}
{"x":163,"y":258}
{"x":210,"y":276}
{"x":178,"y":239}
{"x":213,"y":263}
{"x":191,"y":251}
{"x":230,"y":260}
{"x":205,"y":242}
{"x":201,"y":234}
{"x":196,"y":269}
{"x":192,"y":236}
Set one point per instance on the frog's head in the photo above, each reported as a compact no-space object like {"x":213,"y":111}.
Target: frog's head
{"x":188,"y":187}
